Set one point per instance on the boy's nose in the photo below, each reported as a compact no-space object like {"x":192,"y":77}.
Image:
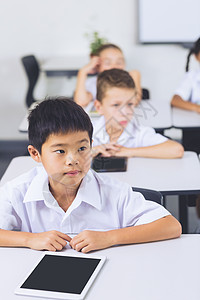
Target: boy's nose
{"x":71,"y":160}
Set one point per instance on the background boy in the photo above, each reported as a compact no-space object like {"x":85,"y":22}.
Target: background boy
{"x":64,"y":196}
{"x":108,"y":56}
{"x":116,"y":133}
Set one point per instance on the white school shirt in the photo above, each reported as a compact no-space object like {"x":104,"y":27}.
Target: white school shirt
{"x":189,"y":89}
{"x":91,"y":86}
{"x":26,"y":204}
{"x":133,"y":135}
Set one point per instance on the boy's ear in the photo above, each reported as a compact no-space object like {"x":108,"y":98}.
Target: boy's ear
{"x":34,"y":153}
{"x":98,"y":107}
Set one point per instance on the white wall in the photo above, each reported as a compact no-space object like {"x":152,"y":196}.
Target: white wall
{"x":57,"y":27}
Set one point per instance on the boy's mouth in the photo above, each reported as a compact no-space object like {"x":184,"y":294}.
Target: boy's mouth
{"x":72,"y":173}
{"x":123,"y":123}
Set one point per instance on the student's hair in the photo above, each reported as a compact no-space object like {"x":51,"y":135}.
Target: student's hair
{"x":105,"y":47}
{"x":194,"y":50}
{"x":56,"y":115}
{"x":113,"y":78}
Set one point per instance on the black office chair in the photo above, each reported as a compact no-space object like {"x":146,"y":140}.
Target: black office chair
{"x":145,"y":94}
{"x":150,"y":194}
{"x":32,"y":69}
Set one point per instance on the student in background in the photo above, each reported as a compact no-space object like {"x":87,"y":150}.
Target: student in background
{"x":116,"y":132}
{"x":41,"y":207}
{"x":108,"y":56}
{"x":187,"y":96}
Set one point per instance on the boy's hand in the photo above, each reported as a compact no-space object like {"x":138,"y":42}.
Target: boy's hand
{"x":122,"y":151}
{"x":92,"y":66}
{"x":49,"y":240}
{"x":106,"y":150}
{"x":88,"y":240}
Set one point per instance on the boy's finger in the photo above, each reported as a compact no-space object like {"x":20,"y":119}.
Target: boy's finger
{"x":57,"y":245}
{"x":61,"y":241}
{"x":80,"y":245}
{"x":64,"y":236}
{"x":118,"y":146}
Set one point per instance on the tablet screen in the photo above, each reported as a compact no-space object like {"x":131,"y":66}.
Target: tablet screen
{"x":109,"y":164}
{"x":59,"y":275}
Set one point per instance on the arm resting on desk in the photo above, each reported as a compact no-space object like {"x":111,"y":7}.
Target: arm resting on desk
{"x":165,"y":228}
{"x":178,"y":102}
{"x":49,"y":240}
{"x":168,"y":149}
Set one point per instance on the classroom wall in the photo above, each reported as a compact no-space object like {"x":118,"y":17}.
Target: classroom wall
{"x":57,"y":28}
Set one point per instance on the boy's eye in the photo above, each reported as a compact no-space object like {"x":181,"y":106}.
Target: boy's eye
{"x":82,"y":149}
{"x":60,"y":151}
{"x":106,"y":62}
{"x":115,"y":105}
{"x":120,"y":63}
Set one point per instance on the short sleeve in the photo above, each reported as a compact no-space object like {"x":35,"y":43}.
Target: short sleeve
{"x":148,"y":137}
{"x":136,"y":210}
{"x":91,"y":86}
{"x":9,"y":220}
{"x":185,"y":88}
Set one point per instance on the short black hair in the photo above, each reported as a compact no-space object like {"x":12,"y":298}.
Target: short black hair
{"x":56,"y":115}
{"x":113,"y":78}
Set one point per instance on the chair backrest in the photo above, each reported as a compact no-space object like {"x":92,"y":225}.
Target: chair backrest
{"x":145,"y":94}
{"x":32,"y":69}
{"x":150,"y":194}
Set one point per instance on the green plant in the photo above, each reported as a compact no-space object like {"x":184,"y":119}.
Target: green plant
{"x":95,"y":42}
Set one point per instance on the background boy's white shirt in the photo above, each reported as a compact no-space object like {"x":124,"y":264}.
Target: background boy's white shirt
{"x":102,"y":203}
{"x":91,"y":86}
{"x":133,"y":135}
{"x":189,"y":88}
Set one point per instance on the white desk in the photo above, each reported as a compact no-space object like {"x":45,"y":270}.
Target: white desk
{"x":169,"y":176}
{"x":151,"y":271}
{"x":185,"y":119}
{"x":154,"y":113}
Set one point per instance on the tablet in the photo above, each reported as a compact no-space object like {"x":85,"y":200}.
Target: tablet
{"x":61,"y":276}
{"x":109,"y":164}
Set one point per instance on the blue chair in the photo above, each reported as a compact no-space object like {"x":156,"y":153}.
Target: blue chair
{"x":32,"y":70}
{"x":150,"y":194}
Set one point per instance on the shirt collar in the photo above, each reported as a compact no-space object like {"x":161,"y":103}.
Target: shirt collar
{"x":38,"y":185}
{"x":101,"y":135}
{"x":88,"y":191}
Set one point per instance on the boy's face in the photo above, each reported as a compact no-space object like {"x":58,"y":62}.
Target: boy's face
{"x":66,"y":158}
{"x":117,"y":106}
{"x":111,"y":58}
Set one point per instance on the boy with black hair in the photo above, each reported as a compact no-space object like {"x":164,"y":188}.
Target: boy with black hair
{"x":117,"y":133}
{"x":42,"y":207}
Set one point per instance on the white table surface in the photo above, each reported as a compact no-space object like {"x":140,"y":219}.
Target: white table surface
{"x":170,"y":176}
{"x":184,"y":118}
{"x":166,"y":270}
{"x":154,"y":113}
